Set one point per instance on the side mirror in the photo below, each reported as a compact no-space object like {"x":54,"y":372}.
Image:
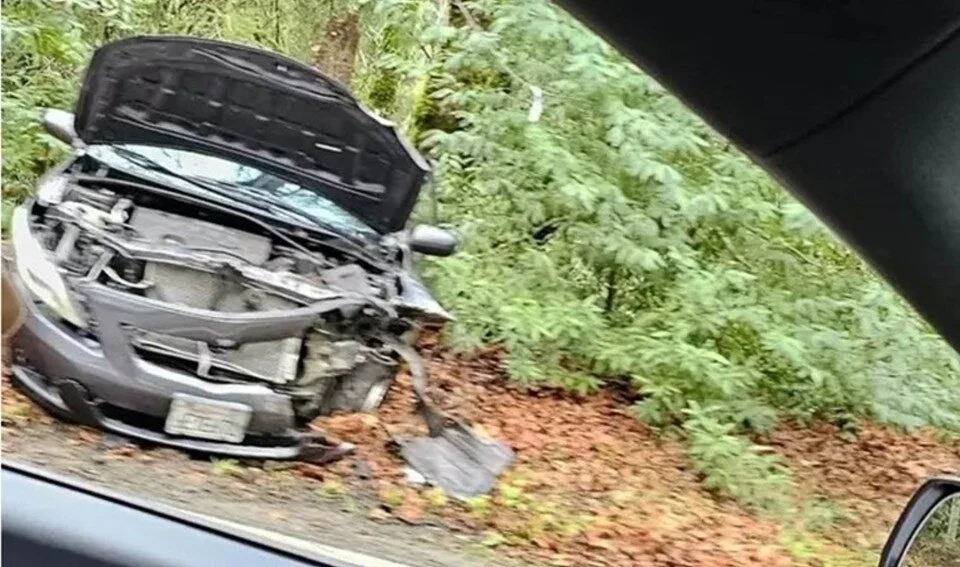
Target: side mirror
{"x":928,"y":531}
{"x":432,"y":240}
{"x":59,"y":124}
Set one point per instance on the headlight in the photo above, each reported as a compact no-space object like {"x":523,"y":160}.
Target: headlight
{"x":38,"y":273}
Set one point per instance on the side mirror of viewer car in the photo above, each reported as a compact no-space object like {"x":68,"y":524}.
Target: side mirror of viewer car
{"x":59,"y":124}
{"x":432,"y":240}
{"x":928,"y":531}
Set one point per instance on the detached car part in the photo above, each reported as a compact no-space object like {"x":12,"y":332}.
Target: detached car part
{"x":223,"y":258}
{"x":453,"y":456}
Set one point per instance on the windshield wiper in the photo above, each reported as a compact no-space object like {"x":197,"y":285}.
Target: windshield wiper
{"x":229,"y":191}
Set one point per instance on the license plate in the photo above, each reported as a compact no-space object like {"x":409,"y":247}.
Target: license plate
{"x":194,"y":416}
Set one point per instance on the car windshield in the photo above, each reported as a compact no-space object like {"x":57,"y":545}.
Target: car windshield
{"x":249,"y":182}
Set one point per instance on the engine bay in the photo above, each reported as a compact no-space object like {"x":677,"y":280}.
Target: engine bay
{"x":195,"y":258}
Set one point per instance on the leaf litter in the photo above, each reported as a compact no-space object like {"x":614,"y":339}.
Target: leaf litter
{"x":591,"y":484}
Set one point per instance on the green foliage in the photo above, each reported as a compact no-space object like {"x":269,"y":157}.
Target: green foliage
{"x":734,"y":467}
{"x":227,"y":467}
{"x":618,"y":238}
{"x":333,"y":488}
{"x":43,"y":52}
{"x":395,"y":55}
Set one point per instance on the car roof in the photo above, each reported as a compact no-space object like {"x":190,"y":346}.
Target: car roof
{"x":853,"y":105}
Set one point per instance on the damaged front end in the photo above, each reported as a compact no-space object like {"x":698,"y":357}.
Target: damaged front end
{"x":220,"y":303}
{"x":183,"y":326}
{"x":224,"y":257}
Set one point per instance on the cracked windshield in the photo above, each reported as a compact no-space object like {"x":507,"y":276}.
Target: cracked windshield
{"x":438,"y":282}
{"x":241,"y":182}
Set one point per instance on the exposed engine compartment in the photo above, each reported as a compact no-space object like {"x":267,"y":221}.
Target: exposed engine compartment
{"x":165,"y":251}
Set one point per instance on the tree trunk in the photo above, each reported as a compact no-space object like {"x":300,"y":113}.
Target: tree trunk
{"x":427,"y":113}
{"x":335,"y":51}
{"x":611,"y":300}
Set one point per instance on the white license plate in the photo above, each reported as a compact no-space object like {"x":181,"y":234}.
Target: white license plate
{"x":194,"y":416}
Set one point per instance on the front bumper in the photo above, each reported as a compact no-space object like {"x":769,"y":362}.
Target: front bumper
{"x":102,"y":381}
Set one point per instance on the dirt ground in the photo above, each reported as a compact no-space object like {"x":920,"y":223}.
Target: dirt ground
{"x":591,"y":485}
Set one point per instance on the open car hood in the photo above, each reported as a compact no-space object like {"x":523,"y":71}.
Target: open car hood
{"x":254,"y":107}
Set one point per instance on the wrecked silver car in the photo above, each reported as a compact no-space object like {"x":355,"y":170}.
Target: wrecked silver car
{"x":223,"y":257}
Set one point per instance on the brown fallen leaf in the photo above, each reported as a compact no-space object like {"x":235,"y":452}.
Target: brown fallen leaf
{"x":409,"y":512}
{"x":314,"y":472}
{"x":122,"y":452}
{"x":88,"y":435}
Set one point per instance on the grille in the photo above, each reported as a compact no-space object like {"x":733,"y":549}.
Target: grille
{"x":273,"y":361}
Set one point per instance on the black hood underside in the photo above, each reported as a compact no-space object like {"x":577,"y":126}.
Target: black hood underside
{"x":253,"y":107}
